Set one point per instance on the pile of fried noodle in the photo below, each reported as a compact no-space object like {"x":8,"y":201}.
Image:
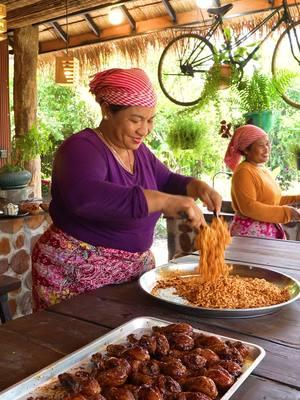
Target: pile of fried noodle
{"x":213,"y":286}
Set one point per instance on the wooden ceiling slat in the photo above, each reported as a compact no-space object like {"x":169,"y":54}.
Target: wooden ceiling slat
{"x":170,"y":10}
{"x":59,"y":31}
{"x":91,"y":23}
{"x":45,"y":10}
{"x":127,"y":14}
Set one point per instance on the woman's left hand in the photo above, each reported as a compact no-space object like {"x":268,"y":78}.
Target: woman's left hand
{"x":201,"y":190}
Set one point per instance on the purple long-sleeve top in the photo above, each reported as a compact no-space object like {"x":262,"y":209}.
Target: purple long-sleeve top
{"x":97,"y":201}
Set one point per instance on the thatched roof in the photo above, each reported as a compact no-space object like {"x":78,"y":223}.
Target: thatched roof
{"x":93,"y":39}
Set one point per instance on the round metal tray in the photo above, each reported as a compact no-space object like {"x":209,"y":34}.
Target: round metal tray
{"x":150,"y":278}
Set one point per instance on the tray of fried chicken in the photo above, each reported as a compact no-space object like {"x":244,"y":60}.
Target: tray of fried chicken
{"x":146,"y":359}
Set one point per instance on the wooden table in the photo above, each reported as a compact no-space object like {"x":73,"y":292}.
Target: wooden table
{"x":27,"y":344}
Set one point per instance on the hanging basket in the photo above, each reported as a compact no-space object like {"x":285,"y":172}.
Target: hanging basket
{"x":222,"y":73}
{"x":298,"y":162}
{"x":263,"y":119}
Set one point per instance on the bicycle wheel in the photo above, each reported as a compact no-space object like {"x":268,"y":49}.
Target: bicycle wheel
{"x":183,"y":66}
{"x":285,"y":61}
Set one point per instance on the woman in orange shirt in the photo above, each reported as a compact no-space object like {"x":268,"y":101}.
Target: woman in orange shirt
{"x":259,"y":207}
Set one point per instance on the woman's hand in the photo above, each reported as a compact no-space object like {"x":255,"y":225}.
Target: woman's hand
{"x":201,"y":190}
{"x":295,"y":214}
{"x":174,"y":206}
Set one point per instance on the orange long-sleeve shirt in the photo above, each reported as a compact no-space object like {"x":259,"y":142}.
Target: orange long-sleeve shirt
{"x":256,"y":194}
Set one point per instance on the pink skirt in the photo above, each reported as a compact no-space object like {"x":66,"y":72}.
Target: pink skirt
{"x":244,"y":226}
{"x":63,"y":267}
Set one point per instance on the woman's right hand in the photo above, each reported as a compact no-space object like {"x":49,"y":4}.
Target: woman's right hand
{"x":177,"y":206}
{"x":174,"y":206}
{"x":295,"y":214}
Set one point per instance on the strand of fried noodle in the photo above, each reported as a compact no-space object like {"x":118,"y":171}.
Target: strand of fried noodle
{"x":211,"y":242}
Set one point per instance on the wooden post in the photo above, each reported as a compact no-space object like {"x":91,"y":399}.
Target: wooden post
{"x":25,"y":91}
{"x":4,"y":100}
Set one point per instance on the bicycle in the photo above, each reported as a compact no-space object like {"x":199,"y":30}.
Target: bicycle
{"x":188,"y":58}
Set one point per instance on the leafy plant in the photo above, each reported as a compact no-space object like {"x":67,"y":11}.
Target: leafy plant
{"x":295,"y":154}
{"x":185,"y":133}
{"x":26,"y":148}
{"x":262,"y":92}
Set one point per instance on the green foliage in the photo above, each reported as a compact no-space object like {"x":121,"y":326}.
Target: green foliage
{"x":29,"y":145}
{"x":186,"y":133}
{"x":63,"y":111}
{"x":262,"y":92}
{"x":26,"y":148}
{"x":282,"y":135}
{"x":238,"y":53}
{"x":7,"y":168}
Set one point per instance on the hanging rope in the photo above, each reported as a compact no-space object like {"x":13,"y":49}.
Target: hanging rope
{"x":67,"y":29}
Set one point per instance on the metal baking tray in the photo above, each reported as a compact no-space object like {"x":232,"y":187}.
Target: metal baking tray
{"x":148,"y":280}
{"x":38,"y":384}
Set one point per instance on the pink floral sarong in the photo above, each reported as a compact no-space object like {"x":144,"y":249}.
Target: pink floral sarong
{"x":63,"y":267}
{"x":244,"y":226}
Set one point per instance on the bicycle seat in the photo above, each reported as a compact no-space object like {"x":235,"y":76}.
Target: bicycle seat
{"x":220,"y":11}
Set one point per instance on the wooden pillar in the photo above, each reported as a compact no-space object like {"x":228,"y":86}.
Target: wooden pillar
{"x":26,"y":46}
{"x":4,"y":100}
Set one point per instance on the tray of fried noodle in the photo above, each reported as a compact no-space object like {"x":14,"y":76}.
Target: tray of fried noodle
{"x":213,"y":288}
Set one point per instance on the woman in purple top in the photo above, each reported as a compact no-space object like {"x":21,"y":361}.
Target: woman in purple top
{"x":108,"y":191}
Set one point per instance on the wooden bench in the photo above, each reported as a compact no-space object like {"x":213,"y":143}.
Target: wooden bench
{"x":7,"y":284}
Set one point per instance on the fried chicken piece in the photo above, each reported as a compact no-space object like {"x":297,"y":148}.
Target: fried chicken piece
{"x":167,"y":385}
{"x":149,"y":393}
{"x":210,"y":342}
{"x":112,"y":377}
{"x":149,"y":343}
{"x":174,"y":328}
{"x":242,"y":348}
{"x":98,"y":361}
{"x":193,"y":361}
{"x":75,"y":396}
{"x":181,"y":341}
{"x":189,"y":396}
{"x":221,"y":377}
{"x":232,"y":367}
{"x":136,"y":353}
{"x":175,"y":369}
{"x":201,"y":384}
{"x":138,"y":378}
{"x":133,"y":389}
{"x":118,"y":393}
{"x":115,"y":362}
{"x":232,"y":354}
{"x":69,"y":382}
{"x":115,"y":350}
{"x":150,"y":367}
{"x":162,"y":345}
{"x":210,"y":356}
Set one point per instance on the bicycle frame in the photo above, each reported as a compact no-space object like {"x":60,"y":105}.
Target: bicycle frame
{"x":284,"y":16}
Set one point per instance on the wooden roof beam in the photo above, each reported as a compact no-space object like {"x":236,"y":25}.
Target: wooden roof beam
{"x":129,"y":17}
{"x":91,"y":23}
{"x":170,"y":10}
{"x":59,"y":31}
{"x":151,"y":25}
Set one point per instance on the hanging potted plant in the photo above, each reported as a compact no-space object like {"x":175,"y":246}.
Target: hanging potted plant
{"x":295,"y":155}
{"x":14,"y":175}
{"x":185,"y":133}
{"x":259,"y":97}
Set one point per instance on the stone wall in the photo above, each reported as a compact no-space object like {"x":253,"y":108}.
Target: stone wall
{"x":17,"y":238}
{"x":181,"y":236}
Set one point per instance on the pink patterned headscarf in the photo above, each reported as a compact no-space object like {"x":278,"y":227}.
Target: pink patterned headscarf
{"x":128,"y":87}
{"x":241,"y":139}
